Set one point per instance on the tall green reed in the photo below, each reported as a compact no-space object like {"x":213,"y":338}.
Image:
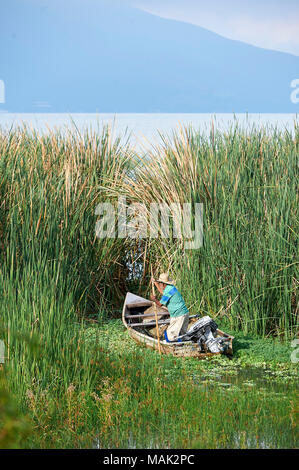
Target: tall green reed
{"x":247,"y":181}
{"x":54,"y":271}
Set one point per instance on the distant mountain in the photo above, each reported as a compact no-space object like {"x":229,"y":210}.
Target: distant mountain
{"x":105,"y":56}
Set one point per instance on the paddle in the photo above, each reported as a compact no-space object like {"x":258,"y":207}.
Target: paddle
{"x":155,"y":309}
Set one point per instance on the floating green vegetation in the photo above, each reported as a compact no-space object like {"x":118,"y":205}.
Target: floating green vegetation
{"x":220,"y":404}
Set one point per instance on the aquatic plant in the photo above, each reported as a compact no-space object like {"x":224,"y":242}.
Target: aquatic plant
{"x":245,"y":272}
{"x":72,"y":381}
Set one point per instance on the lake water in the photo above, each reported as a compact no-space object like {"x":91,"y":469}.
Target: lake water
{"x":145,"y":128}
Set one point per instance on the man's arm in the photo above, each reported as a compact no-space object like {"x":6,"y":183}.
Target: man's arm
{"x":158,"y":286}
{"x":160,"y":289}
{"x":154,"y":299}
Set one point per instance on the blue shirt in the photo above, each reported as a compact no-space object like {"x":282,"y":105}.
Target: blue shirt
{"x":173,"y":300}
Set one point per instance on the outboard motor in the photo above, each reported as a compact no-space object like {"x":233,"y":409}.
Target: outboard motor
{"x":202,"y":332}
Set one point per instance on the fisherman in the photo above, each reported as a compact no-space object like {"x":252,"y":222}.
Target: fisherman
{"x":172,"y":299}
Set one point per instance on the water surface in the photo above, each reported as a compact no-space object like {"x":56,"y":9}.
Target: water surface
{"x":145,"y":128}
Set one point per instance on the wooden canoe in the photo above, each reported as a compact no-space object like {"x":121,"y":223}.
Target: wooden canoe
{"x":138,"y":321}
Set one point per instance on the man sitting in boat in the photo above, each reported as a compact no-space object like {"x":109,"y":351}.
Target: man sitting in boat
{"x":172,"y":299}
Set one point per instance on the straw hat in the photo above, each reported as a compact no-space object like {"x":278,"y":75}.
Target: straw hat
{"x":165,"y":279}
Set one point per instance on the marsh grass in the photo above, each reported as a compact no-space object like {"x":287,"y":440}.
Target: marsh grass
{"x":54,"y":271}
{"x":146,"y":401}
{"x":60,"y":390}
{"x":246,"y":271}
{"x":142,"y":401}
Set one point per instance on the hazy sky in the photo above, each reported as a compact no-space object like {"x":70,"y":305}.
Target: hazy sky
{"x":272,"y":24}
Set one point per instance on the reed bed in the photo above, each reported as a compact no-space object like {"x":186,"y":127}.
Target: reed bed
{"x":247,"y":180}
{"x":57,"y":390}
{"x":54,"y":272}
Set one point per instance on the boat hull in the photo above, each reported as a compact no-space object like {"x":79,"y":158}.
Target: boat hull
{"x":182,"y":349}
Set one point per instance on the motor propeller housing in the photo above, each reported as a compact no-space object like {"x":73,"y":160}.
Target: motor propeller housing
{"x":203,"y":333}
